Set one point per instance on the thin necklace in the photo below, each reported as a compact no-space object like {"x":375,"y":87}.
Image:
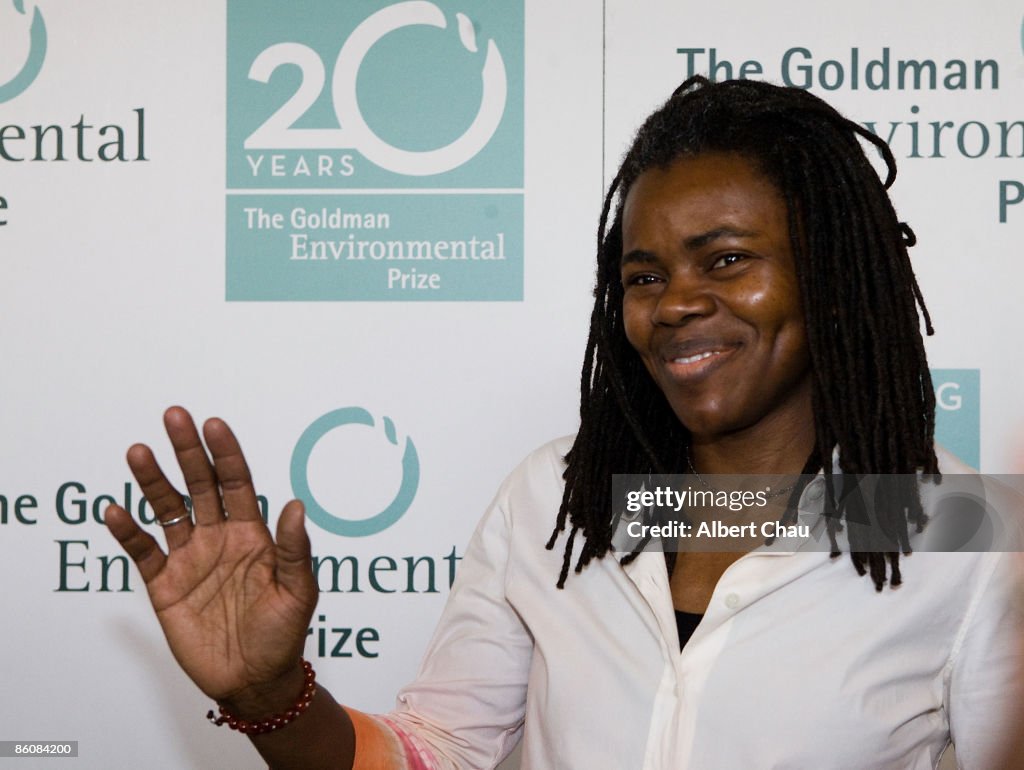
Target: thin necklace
{"x":769,"y":496}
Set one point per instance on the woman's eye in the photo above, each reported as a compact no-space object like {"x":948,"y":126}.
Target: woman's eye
{"x":640,"y":279}
{"x":727,"y":259}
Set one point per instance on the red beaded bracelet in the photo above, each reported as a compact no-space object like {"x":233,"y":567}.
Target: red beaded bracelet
{"x":277,"y":721}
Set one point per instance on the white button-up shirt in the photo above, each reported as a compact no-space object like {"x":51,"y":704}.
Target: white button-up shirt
{"x":798,"y":662}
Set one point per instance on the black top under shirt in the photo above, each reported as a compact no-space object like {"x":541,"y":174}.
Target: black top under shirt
{"x":686,"y":624}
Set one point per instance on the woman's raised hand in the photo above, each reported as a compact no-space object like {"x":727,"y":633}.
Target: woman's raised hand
{"x":233,"y":605}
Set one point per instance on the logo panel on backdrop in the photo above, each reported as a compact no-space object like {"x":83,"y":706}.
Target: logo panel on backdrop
{"x":375,"y":153}
{"x":46,"y":128}
{"x":33,"y":62}
{"x":332,"y":520}
{"x":958,"y":412}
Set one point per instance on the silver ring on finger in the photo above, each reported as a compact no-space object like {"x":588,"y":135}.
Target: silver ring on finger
{"x":175,"y":520}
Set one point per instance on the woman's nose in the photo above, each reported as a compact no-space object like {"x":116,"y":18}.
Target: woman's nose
{"x":685,"y":296}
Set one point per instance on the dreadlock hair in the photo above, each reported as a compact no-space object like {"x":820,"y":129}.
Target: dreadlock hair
{"x":872,"y":392}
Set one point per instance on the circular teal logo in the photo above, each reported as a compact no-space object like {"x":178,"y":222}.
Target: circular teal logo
{"x":34,"y":61}
{"x":332,"y":522}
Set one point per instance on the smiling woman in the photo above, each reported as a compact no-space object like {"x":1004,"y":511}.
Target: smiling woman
{"x":711,"y":303}
{"x":749,"y":229}
{"x":755,"y":313}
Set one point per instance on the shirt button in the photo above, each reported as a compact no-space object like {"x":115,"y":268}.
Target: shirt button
{"x":732,"y":601}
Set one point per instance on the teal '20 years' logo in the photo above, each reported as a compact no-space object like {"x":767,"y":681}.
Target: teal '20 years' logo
{"x":330,"y":521}
{"x":364,"y":94}
{"x":277,"y":131}
{"x":374,"y":150}
{"x":34,"y":60}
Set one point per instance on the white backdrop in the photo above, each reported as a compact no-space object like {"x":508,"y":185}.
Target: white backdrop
{"x":115,"y":300}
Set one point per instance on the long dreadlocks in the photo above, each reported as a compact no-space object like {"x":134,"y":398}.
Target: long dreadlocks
{"x":872,"y":392}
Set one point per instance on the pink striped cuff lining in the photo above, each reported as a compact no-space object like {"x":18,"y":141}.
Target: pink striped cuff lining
{"x":417,"y":755}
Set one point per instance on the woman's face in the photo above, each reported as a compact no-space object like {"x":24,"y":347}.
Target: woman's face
{"x":711,"y":300}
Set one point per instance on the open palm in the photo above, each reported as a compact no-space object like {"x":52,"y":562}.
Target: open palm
{"x":233,"y":605}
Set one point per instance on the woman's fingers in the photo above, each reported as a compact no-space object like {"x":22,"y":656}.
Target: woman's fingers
{"x":232,"y":471}
{"x":218,"y":488}
{"x":294,"y":570}
{"x":166,"y":501}
{"x":200,"y":478}
{"x":139,"y":545}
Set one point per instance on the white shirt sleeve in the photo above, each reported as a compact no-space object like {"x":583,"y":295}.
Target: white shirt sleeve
{"x":984,"y":692}
{"x":468,"y":700}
